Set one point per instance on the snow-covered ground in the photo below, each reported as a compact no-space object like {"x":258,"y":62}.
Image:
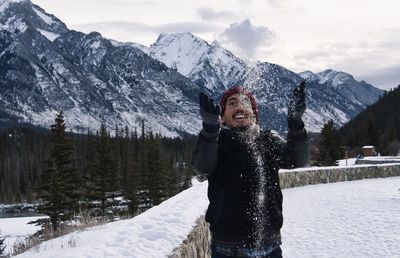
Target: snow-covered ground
{"x":347,"y":219}
{"x":346,"y":162}
{"x":16,"y":229}
{"x":377,"y":159}
{"x":154,"y":233}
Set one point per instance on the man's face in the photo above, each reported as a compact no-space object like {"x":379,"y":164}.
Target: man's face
{"x":238,"y":111}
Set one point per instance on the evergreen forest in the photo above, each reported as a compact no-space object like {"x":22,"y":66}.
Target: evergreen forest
{"x":97,"y":173}
{"x":377,"y":125}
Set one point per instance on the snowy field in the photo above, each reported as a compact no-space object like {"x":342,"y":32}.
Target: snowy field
{"x":346,"y":219}
{"x":377,"y":159}
{"x":16,"y":229}
{"x":152,"y":234}
{"x":346,"y":162}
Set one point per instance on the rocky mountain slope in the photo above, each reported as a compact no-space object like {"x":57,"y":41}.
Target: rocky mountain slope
{"x":330,"y":94}
{"x":46,"y":68}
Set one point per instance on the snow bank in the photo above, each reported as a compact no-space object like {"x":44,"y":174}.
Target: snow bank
{"x":49,"y":35}
{"x":154,"y":233}
{"x":347,"y":219}
{"x":16,"y":229}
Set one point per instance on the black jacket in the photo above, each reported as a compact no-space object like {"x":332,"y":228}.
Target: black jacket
{"x":242,"y":170}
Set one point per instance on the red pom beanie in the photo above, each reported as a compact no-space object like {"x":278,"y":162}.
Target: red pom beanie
{"x":241,"y":90}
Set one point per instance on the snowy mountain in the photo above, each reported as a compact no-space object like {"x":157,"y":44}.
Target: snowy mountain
{"x":331,"y":95}
{"x":359,"y":91}
{"x":45,"y":68}
{"x":213,"y":68}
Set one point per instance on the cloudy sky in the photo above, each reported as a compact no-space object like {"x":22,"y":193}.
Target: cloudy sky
{"x":361,"y":37}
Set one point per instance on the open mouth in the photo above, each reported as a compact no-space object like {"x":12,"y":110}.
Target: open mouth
{"x":239,"y":116}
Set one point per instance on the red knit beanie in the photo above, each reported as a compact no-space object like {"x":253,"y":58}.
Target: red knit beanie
{"x":241,"y":90}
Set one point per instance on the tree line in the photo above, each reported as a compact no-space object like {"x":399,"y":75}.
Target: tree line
{"x":97,"y":174}
{"x":377,"y":125}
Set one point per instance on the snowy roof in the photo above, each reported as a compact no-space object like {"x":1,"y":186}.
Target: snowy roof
{"x":368,"y":146}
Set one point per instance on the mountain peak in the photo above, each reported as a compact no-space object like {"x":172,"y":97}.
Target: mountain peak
{"x":4,"y":3}
{"x":181,"y":51}
{"x":336,"y":77}
{"x":215,"y":44}
{"x":18,"y":15}
{"x":329,"y":76}
{"x":94,"y":80}
{"x":177,"y":36}
{"x":307,"y":75}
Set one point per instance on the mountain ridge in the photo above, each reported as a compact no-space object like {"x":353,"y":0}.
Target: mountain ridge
{"x":218,"y":69}
{"x":91,"y":80}
{"x":45,"y":67}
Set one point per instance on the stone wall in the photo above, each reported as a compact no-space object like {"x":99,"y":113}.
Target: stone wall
{"x":197,"y":243}
{"x":377,"y":160}
{"x":321,"y":175}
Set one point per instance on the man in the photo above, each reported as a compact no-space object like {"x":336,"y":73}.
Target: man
{"x":241,"y":164}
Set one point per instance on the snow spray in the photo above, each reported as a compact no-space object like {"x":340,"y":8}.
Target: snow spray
{"x":256,"y":209}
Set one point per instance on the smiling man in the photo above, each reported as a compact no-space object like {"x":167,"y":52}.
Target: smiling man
{"x":241,"y":163}
{"x":239,"y":108}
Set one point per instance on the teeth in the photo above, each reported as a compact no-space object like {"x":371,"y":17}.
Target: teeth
{"x":239,"y":116}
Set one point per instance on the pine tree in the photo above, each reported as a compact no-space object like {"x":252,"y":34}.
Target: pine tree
{"x":130,"y":193}
{"x":102,"y":184}
{"x":390,"y":144}
{"x":152,"y":188}
{"x":131,"y":183}
{"x":188,"y":175}
{"x":52,"y":196}
{"x":125,"y":151}
{"x":142,"y":190}
{"x":329,"y":145}
{"x":372,"y":133}
{"x":378,"y":125}
{"x":59,"y":188}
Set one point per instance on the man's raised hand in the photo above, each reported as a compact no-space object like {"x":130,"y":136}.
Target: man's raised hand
{"x":297,"y":107}
{"x":210,"y":113}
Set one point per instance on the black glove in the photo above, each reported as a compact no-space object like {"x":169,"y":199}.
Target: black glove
{"x":209,"y":112}
{"x":297,"y":106}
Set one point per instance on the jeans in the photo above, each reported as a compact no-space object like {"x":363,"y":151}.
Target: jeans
{"x":276,"y":253}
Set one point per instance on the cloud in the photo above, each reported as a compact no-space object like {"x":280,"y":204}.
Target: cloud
{"x":245,"y":2}
{"x":111,"y":25}
{"x":193,"y":27}
{"x":207,"y":14}
{"x":245,"y":39}
{"x":276,"y":3}
{"x":326,"y":53}
{"x":285,"y":5}
{"x":144,"y":2}
{"x":385,"y":78}
{"x":374,"y":62}
{"x":132,"y":31}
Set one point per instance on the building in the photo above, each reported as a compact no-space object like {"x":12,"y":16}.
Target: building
{"x":368,"y":151}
